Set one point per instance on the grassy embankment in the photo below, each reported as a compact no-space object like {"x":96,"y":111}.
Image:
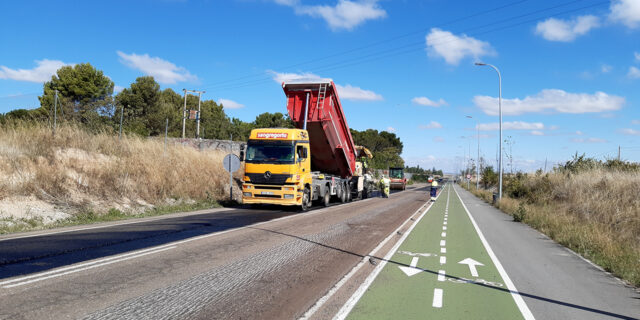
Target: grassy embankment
{"x":595,"y":212}
{"x":80,"y":177}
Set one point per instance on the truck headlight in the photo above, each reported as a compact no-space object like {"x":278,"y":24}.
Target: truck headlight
{"x":288,"y":196}
{"x":246,"y":194}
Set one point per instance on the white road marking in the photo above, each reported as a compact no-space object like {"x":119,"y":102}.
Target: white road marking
{"x":348,"y":306}
{"x":472,"y":266}
{"x":524,"y":309}
{"x":444,"y":227}
{"x":445,"y":218}
{"x":441,"y":275}
{"x":437,"y":298}
{"x":444,"y":234}
{"x":445,"y":223}
{"x":355,"y":269}
{"x":412,"y":270}
{"x":443,"y":250}
{"x":443,"y":260}
{"x":443,"y":243}
{"x":85,"y":268}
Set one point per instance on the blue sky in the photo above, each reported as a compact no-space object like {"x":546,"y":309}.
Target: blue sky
{"x":571,"y":69}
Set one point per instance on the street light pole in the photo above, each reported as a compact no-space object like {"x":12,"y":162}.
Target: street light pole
{"x":478,"y":157}
{"x":500,"y":111}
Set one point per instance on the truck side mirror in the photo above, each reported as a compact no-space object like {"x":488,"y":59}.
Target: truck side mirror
{"x":242,"y":146}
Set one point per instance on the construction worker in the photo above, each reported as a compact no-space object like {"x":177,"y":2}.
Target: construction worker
{"x":434,"y":188}
{"x":385,"y":184}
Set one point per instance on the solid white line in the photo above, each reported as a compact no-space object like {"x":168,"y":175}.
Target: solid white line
{"x":443,"y":250}
{"x":348,"y":306}
{"x":86,"y":268}
{"x":353,"y":271}
{"x":444,"y":234}
{"x":437,"y":298}
{"x":80,"y":265}
{"x":443,"y":260}
{"x":441,"y":275}
{"x":524,"y":309}
{"x":443,"y":243}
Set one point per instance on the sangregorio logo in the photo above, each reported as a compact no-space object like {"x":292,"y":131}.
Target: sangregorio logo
{"x":273,"y":135}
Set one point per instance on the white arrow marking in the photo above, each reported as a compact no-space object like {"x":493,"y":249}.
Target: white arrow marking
{"x":472,"y":265}
{"x":410,"y":271}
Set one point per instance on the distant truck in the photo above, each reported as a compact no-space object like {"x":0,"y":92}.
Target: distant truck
{"x":315,"y":161}
{"x":398,"y":181}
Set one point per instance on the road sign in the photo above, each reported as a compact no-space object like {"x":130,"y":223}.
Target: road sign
{"x":231,"y":163}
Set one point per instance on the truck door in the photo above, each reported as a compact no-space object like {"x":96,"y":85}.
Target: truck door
{"x":302,"y":158}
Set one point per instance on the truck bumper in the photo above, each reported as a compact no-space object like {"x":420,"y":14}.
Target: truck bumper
{"x":286,"y":195}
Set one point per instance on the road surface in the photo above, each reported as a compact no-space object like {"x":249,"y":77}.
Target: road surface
{"x":341,"y":261}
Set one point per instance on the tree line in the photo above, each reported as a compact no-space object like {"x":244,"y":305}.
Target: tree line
{"x":85,"y":95}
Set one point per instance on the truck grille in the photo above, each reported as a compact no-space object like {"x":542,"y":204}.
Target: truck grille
{"x":259,"y":178}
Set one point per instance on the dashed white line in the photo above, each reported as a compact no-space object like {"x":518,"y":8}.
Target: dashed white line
{"x":443,"y":243}
{"x":437,"y":298}
{"x":443,"y":260}
{"x":441,"y":275}
{"x":443,"y":250}
{"x":444,"y":234}
{"x":445,"y":223}
{"x":444,"y":227}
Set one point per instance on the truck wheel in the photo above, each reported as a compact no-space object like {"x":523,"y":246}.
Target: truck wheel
{"x":326,"y":199}
{"x":343,"y":195}
{"x":306,"y":200}
{"x":349,"y":196}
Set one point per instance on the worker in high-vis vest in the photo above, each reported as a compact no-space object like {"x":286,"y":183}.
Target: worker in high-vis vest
{"x":385,"y":186}
{"x":434,"y":188}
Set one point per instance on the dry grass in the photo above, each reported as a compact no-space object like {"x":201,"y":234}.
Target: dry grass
{"x":595,"y":213}
{"x":78,"y":171}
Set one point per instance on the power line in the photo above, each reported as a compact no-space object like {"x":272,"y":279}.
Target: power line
{"x":412,"y":47}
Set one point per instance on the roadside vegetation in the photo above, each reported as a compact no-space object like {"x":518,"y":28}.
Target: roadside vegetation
{"x":587,"y":205}
{"x":78,"y":176}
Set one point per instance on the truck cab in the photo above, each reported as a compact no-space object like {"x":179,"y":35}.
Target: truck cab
{"x":277,"y":167}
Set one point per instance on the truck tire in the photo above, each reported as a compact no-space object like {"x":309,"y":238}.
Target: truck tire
{"x":326,"y":199}
{"x":306,"y":200}
{"x":349,"y":195}
{"x":343,"y":195}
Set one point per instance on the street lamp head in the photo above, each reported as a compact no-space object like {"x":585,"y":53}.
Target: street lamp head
{"x":470,"y":117}
{"x":480,"y":64}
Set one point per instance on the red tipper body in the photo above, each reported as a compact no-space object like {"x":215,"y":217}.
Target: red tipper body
{"x":332,"y":148}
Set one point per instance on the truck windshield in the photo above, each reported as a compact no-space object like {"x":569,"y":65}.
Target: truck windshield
{"x":396,"y":173}
{"x":280,"y":152}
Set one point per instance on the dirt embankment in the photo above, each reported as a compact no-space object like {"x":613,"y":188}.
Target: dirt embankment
{"x":49,"y":178}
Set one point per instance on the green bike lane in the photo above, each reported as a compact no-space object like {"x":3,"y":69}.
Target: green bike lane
{"x":443,"y":270}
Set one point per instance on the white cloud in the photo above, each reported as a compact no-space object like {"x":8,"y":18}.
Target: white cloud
{"x":552,"y":100}
{"x":41,"y":73}
{"x":634,"y":73}
{"x":391,"y":129}
{"x":605,"y":68}
{"x":537,"y":133}
{"x":345,"y":15}
{"x":117,"y":88}
{"x":454,"y":48}
{"x":431,"y":125}
{"x":579,"y":133}
{"x":161,"y":70}
{"x":424,"y":101}
{"x":230,"y":104}
{"x":635,"y":121}
{"x":511,"y":125}
{"x":349,"y":92}
{"x":588,"y":140}
{"x":438,"y":139}
{"x":626,"y":12}
{"x":554,"y":29}
{"x":630,"y":132}
{"x":637,"y":56}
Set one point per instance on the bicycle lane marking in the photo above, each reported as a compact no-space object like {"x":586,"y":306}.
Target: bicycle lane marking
{"x":396,"y":294}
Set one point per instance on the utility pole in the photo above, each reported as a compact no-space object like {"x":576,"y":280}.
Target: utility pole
{"x":121,"y":117}
{"x":545,"y":165}
{"x":55,"y":112}
{"x":618,"y":152}
{"x":166,"y":130}
{"x":184,"y":112}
